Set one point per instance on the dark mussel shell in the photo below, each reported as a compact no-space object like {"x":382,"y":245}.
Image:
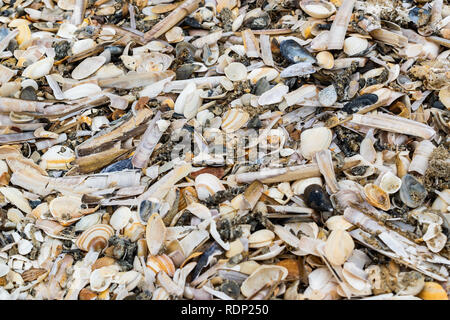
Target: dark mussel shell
{"x":412,"y":192}
{"x":118,"y":166}
{"x":360,"y":102}
{"x":317,"y":198}
{"x":294,"y":53}
{"x":419,"y":16}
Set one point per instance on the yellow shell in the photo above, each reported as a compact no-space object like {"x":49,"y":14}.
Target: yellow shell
{"x":161,"y":263}
{"x":377,"y":196}
{"x":24,"y":35}
{"x":433,"y":291}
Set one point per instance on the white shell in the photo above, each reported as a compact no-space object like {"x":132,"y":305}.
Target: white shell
{"x":269,"y":73}
{"x":236,"y":71}
{"x":188,"y":101}
{"x":16,"y":198}
{"x":65,"y":207}
{"x":120,"y":218}
{"x":101,"y":278}
{"x":155,"y":233}
{"x":314,"y":140}
{"x":390,"y":183}
{"x":274,"y":95}
{"x":261,"y":276}
{"x":355,"y":45}
{"x":57,"y":158}
{"x":24,"y":246}
{"x":38,"y":69}
{"x":87,"y":67}
{"x":260,"y":238}
{"x":338,"y":247}
{"x":234,"y":119}
{"x":174,"y":35}
{"x":95,"y":237}
{"x":317,"y":8}
{"x":206,"y":185}
{"x":299,"y":186}
{"x":82,"y":45}
{"x":81,"y":91}
{"x":87,"y":221}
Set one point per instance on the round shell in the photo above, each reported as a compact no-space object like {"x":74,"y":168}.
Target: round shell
{"x":318,"y":8}
{"x":355,"y":45}
{"x":161,"y":263}
{"x":299,"y":186}
{"x":236,"y":71}
{"x":207,"y":185}
{"x":88,"y":221}
{"x":325,"y":60}
{"x":260,"y":238}
{"x":261,"y":276}
{"x":57,"y":158}
{"x":174,"y":35}
{"x":390,"y":183}
{"x":314,"y":140}
{"x":82,"y":45}
{"x":234,"y":119}
{"x":339,"y":247}
{"x":433,"y":291}
{"x":120,"y":218}
{"x":377,"y":196}
{"x":65,"y":208}
{"x":95,"y":237}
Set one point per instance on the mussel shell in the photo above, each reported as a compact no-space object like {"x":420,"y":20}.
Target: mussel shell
{"x":293,"y":52}
{"x":146,"y":208}
{"x":118,"y":166}
{"x":360,"y":102}
{"x":412,"y":192}
{"x":419,"y":16}
{"x":317,"y":198}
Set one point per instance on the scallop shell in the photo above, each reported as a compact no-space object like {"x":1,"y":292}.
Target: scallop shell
{"x":236,"y":71}
{"x":390,"y":183}
{"x":38,"y":69}
{"x":15,"y":196}
{"x":87,"y":67}
{"x":207,"y":185}
{"x":120,"y":218}
{"x":325,"y":60}
{"x":377,"y":196}
{"x":260,"y":238}
{"x":234,"y":119}
{"x":318,"y":8}
{"x":161,"y":263}
{"x":314,"y":140}
{"x":95,"y":237}
{"x":155,"y":233}
{"x":262,"y":276}
{"x":338,"y":247}
{"x":355,"y":45}
{"x":57,"y":158}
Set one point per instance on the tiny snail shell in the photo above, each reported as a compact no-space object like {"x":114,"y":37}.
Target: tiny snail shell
{"x":161,"y":263}
{"x":95,"y":237}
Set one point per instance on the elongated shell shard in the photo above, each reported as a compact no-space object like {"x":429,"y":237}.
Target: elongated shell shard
{"x":421,"y":157}
{"x":340,"y":24}
{"x":155,"y":233}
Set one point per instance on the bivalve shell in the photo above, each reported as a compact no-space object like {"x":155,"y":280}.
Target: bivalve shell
{"x":260,"y":238}
{"x":236,"y":71}
{"x":314,"y":140}
{"x":65,"y":208}
{"x":82,"y":45}
{"x":155,"y":233}
{"x":318,"y":8}
{"x":390,"y":183}
{"x":161,"y":263}
{"x":234,"y":119}
{"x":433,"y":291}
{"x":57,"y":158}
{"x":207,"y":185}
{"x":38,"y":69}
{"x":95,"y":237}
{"x":377,"y":196}
{"x":339,"y":247}
{"x":355,"y":45}
{"x":325,"y":60}
{"x":261,"y":276}
{"x":16,"y":197}
{"x":120,"y":218}
{"x":87,"y":67}
{"x":82,"y":91}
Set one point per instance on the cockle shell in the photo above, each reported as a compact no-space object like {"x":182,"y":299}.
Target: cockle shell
{"x":120,"y":218}
{"x":87,"y":67}
{"x":236,"y":71}
{"x":355,"y":45}
{"x":161,"y":263}
{"x":325,"y":60}
{"x":207,"y":185}
{"x":314,"y":140}
{"x":338,"y":247}
{"x":38,"y":69}
{"x":15,"y":196}
{"x":57,"y":158}
{"x":263,"y":275}
{"x":95,"y":237}
{"x":155,"y":233}
{"x":318,"y":8}
{"x":260,"y":238}
{"x":234,"y":119}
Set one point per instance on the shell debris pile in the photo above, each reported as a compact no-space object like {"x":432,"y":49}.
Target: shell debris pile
{"x":224,"y":150}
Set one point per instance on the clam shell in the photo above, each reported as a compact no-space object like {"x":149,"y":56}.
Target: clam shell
{"x":57,"y":158}
{"x":274,"y":95}
{"x":234,"y":119}
{"x":260,"y":238}
{"x":328,"y":96}
{"x":338,"y":223}
{"x":412,"y":192}
{"x":338,"y":247}
{"x":95,"y":237}
{"x":207,"y":185}
{"x":188,"y":101}
{"x":161,"y":263}
{"x":82,"y":45}
{"x":444,"y":96}
{"x":433,"y":291}
{"x":318,"y":8}
{"x":88,"y":221}
{"x":174,"y":35}
{"x":325,"y":60}
{"x":261,"y":276}
{"x":120,"y":218}
{"x":269,"y":73}
{"x":377,"y":196}
{"x":390,"y":183}
{"x":16,"y":198}
{"x":87,"y":67}
{"x":82,"y":91}
{"x":38,"y":69}
{"x":314,"y":140}
{"x":299,"y":186}
{"x":65,"y":208}
{"x":236,"y":71}
{"x":155,"y":233}
{"x":355,"y":45}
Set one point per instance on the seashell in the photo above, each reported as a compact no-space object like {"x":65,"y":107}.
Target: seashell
{"x":120,"y":218}
{"x":260,"y":238}
{"x":82,"y":91}
{"x":95,"y":237}
{"x":207,"y":185}
{"x":155,"y":233}
{"x":316,"y":198}
{"x":4,"y":269}
{"x":338,"y":247}
{"x":174,"y":35}
{"x":328,"y":96}
{"x":274,"y":95}
{"x":377,"y":196}
{"x":410,"y":283}
{"x":87,"y":221}
{"x":161,"y":263}
{"x":134,"y":231}
{"x":299,"y":186}
{"x":298,"y":69}
{"x":24,"y":246}
{"x":15,"y":215}
{"x":82,"y":45}
{"x":338,"y":223}
{"x":262,"y":276}
{"x":66,"y":4}
{"x":294,"y":52}
{"x":363,"y":170}
{"x":38,"y":69}
{"x":325,"y":60}
{"x":65,"y":208}
{"x":390,"y":183}
{"x":444,"y":96}
{"x":66,"y":30}
{"x":57,"y":158}
{"x":87,"y":67}
{"x":434,"y":238}
{"x":355,"y":45}
{"x":412,"y":192}
{"x":16,"y":198}
{"x":422,"y":153}
{"x":433,"y":291}
{"x":314,"y":140}
{"x":236,"y":247}
{"x":236,"y":71}
{"x":269,"y":73}
{"x":100,"y":279}
{"x":318,"y":8}
{"x":188,"y":101}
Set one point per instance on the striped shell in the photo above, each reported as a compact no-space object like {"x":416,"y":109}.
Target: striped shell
{"x":234,"y":119}
{"x":161,"y":263}
{"x":57,"y":158}
{"x":95,"y":237}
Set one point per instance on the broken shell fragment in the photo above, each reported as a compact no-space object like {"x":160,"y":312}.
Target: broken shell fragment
{"x":261,"y":276}
{"x":412,"y":192}
{"x":390,"y":183}
{"x":207,"y":185}
{"x":161,"y":263}
{"x":338,"y":247}
{"x":355,"y":45}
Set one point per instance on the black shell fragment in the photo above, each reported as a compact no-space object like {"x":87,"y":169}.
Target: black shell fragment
{"x":317,"y":198}
{"x":360,"y":102}
{"x":294,"y":53}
